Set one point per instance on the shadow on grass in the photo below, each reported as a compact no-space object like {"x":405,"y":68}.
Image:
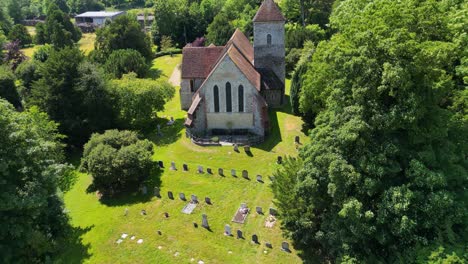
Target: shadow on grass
{"x":72,"y":249}
{"x":154,"y":73}
{"x":274,"y":137}
{"x":170,"y":134}
{"x":129,"y":197}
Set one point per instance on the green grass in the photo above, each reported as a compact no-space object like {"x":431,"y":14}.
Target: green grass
{"x":86,"y":45}
{"x":99,"y":225}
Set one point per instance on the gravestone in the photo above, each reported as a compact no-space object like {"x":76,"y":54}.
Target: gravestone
{"x":285,"y":246}
{"x":268,"y":245}
{"x":161,"y":164}
{"x":209,"y":171}
{"x":245,"y":174}
{"x":280,"y":160}
{"x":173,"y":167}
{"x":143,"y":212}
{"x":221,"y":171}
{"x":259,"y":178}
{"x":239,"y":234}
{"x":207,"y":200}
{"x":166,"y":215}
{"x":144,"y":190}
{"x":273,"y":211}
{"x":227,"y":230}
{"x":170,"y":195}
{"x":297,"y":140}
{"x":259,"y":210}
{"x":233,"y":172}
{"x":236,"y":148}
{"x":195,"y":225}
{"x":247,"y":148}
{"x":126,"y":212}
{"x":200,"y":169}
{"x":205,"y":221}
{"x":194,"y":199}
{"x":157,"y":192}
{"x":159,"y":232}
{"x":159,"y":130}
{"x":185,"y":167}
{"x":255,"y":239}
{"x":182,"y":196}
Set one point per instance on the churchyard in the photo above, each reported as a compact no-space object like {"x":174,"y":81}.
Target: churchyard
{"x":231,"y":221}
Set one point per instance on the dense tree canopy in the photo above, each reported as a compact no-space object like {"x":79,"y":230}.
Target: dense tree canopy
{"x":122,"y":62}
{"x":31,"y":212}
{"x":8,"y":89}
{"x":20,"y":33}
{"x":386,"y":169}
{"x":117,"y":160}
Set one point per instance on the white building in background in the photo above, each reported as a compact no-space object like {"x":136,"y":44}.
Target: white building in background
{"x":97,"y":18}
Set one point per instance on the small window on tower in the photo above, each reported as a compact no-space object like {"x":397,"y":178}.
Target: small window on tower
{"x":269,"y":40}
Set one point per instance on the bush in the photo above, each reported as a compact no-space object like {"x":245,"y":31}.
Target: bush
{"x":8,"y":88}
{"x":117,"y":160}
{"x":43,"y":53}
{"x":125,"y":61}
{"x":171,"y":52}
{"x":20,"y":33}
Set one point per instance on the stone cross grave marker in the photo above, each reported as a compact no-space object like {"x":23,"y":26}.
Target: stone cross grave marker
{"x":285,"y":246}
{"x":161,"y":164}
{"x":185,"y":167}
{"x":205,"y":221}
{"x":227,"y":230}
{"x":233,"y":172}
{"x":209,"y":171}
{"x":259,"y":178}
{"x":157,"y":192}
{"x":207,"y":200}
{"x":182,"y":196}
{"x":245,"y":174}
{"x":221,"y":171}
{"x":200,"y":169}
{"x":194,"y":199}
{"x":173,"y":167}
{"x":255,"y":239}
{"x":259,"y":210}
{"x":239,"y":234}
{"x":170,"y":195}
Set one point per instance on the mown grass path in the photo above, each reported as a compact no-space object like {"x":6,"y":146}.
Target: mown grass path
{"x":99,"y":225}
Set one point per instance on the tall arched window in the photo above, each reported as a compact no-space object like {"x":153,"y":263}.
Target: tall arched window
{"x":241,"y":98}
{"x":216,"y":98}
{"x":269,"y":40}
{"x":228,"y":98}
{"x":192,"y":86}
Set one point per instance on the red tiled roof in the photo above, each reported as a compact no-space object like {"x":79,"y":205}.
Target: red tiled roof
{"x":245,"y":66}
{"x":269,"y":11}
{"x":243,"y":44}
{"x":197,"y":62}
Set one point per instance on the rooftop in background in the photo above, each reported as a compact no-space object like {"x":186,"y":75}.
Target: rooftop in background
{"x":269,"y":11}
{"x":100,"y":14}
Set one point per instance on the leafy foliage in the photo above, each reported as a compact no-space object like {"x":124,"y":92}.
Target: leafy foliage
{"x":13,"y":55}
{"x":387,"y":160}
{"x":117,"y":160}
{"x":20,"y":33}
{"x":121,"y":62}
{"x":8,"y":87}
{"x":138,"y":100}
{"x":32,"y":214}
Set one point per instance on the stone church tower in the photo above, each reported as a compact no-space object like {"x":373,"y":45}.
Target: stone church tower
{"x":269,"y":51}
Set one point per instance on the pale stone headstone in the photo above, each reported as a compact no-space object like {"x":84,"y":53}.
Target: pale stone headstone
{"x":194,"y":199}
{"x":255,"y":238}
{"x":259,"y":178}
{"x":227,"y":230}
{"x":247,"y":148}
{"x":200,"y":169}
{"x":236,"y":148}
{"x":161,"y":164}
{"x":209,"y":171}
{"x":233,"y":172}
{"x":126,"y":212}
{"x":185,"y":167}
{"x":173,"y":167}
{"x":245,"y":174}
{"x":157,"y":192}
{"x":273,"y":211}
{"x":239,"y":233}
{"x":221,"y":171}
{"x":207,"y":200}
{"x":280,"y":160}
{"x":182,"y":196}
{"x":259,"y":210}
{"x":285,"y":246}
{"x":170,"y":195}
{"x":205,"y":221}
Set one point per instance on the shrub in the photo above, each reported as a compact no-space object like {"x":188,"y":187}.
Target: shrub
{"x":125,"y":61}
{"x":20,"y":33}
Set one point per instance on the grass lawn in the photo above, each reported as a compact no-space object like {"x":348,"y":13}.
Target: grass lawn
{"x":98,"y":225}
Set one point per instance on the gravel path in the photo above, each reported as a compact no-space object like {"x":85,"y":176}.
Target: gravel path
{"x":175,"y":77}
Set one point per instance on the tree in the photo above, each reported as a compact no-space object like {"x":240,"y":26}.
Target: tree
{"x":13,"y":55}
{"x":384,"y":171}
{"x":122,"y":33}
{"x":33,"y":218}
{"x":20,"y":33}
{"x":298,"y":78}
{"x":125,"y":61}
{"x":60,"y":31}
{"x":118,"y":161}
{"x":41,"y":34}
{"x":138,"y":100}
{"x":27,"y":74}
{"x":81,"y":6}
{"x":220,"y":30}
{"x":15,"y":12}
{"x":166,"y":43}
{"x":306,"y":12}
{"x":5,"y":21}
{"x":42,"y":53}
{"x":60,"y":4}
{"x":8,"y":87}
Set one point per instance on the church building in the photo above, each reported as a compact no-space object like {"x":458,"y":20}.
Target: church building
{"x":227,"y":90}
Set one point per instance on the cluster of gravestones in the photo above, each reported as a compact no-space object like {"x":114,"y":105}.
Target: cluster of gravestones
{"x":170,"y":195}
{"x":185,"y":168}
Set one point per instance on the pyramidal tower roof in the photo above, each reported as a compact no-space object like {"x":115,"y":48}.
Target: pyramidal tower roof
{"x":269,"y":11}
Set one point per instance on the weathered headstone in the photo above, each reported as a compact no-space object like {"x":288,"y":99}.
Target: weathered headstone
{"x":194,"y":199}
{"x":297,"y":140}
{"x":259,"y":210}
{"x":209,"y":171}
{"x":255,"y":238}
{"x":233,"y":172}
{"x":161,"y":164}
{"x":280,"y":160}
{"x":285,"y":246}
{"x":126,"y":212}
{"x":185,"y":167}
{"x":170,"y":195}
{"x":239,"y":234}
{"x":247,"y":148}
{"x":273,"y":211}
{"x":144,"y":190}
{"x":173,"y":167}
{"x":236,"y":148}
{"x":221,"y":171}
{"x":245,"y":174}
{"x":166,"y":215}
{"x":205,"y":221}
{"x":143,"y":212}
{"x":159,"y":232}
{"x":259,"y":178}
{"x":195,"y":225}
{"x":200,"y":169}
{"x":268,"y":245}
{"x":157,"y":192}
{"x":207,"y":200}
{"x":182,"y":196}
{"x":227,"y":230}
